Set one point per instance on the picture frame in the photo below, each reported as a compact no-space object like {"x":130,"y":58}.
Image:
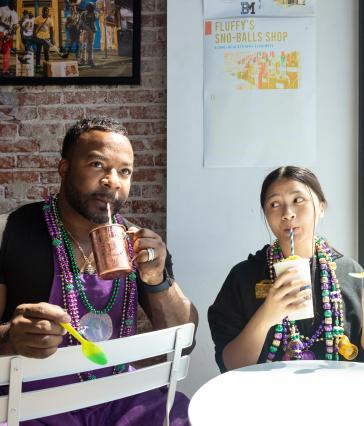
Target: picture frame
{"x":361,"y":138}
{"x":69,"y":42}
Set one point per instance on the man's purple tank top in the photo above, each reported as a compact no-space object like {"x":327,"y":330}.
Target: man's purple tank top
{"x":98,"y":293}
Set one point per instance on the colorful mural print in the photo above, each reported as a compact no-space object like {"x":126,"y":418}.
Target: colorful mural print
{"x":265,"y":69}
{"x":290,"y":2}
{"x":67,"y":38}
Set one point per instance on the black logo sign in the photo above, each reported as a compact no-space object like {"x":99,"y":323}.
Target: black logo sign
{"x":247,"y":8}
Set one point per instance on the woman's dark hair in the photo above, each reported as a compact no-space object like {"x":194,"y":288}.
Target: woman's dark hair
{"x":299,"y":174}
{"x":87,"y":125}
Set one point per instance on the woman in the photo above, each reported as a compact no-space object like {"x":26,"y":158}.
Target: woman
{"x":248,"y":319}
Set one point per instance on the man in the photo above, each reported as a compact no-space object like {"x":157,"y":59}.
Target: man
{"x":72,"y":26}
{"x":125,"y":33}
{"x":46,"y":256}
{"x":88,"y":28}
{"x":27,"y":29}
{"x":8,"y":24}
{"x":43,"y":34}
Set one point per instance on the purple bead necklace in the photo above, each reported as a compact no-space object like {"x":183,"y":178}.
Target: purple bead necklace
{"x":70,"y":279}
{"x":295,"y":346}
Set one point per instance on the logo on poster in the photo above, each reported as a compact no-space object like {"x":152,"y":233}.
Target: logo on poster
{"x":247,"y":8}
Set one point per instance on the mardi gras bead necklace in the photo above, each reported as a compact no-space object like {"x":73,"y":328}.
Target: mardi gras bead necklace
{"x":330,"y":329}
{"x":88,"y":267}
{"x":72,"y":288}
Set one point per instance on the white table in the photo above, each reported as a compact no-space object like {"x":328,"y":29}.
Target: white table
{"x":283,"y":393}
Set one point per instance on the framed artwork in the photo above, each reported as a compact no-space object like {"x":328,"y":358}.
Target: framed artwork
{"x":70,"y":41}
{"x":361,"y":135}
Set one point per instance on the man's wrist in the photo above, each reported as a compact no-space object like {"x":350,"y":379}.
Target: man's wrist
{"x":156,"y":288}
{"x":155,"y":280}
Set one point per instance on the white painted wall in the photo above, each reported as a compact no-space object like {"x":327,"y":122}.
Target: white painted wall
{"x":213,"y":215}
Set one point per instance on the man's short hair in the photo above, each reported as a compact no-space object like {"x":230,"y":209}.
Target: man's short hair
{"x":90,"y":7}
{"x":87,"y":125}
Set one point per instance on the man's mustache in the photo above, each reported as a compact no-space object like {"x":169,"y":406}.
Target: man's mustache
{"x":109,"y":197}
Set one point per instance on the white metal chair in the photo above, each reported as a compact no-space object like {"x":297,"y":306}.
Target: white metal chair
{"x":14,"y":370}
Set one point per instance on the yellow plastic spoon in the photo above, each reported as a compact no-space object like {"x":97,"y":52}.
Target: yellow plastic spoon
{"x":91,"y":351}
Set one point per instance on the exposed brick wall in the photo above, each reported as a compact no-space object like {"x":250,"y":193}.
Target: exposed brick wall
{"x":33,"y":121}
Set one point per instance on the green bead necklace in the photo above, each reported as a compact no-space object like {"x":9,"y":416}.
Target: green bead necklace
{"x":76,"y":274}
{"x":78,"y":282}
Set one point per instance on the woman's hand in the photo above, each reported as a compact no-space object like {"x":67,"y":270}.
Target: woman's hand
{"x":287,"y":295}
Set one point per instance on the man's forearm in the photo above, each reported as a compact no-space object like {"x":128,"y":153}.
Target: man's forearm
{"x":169,"y":308}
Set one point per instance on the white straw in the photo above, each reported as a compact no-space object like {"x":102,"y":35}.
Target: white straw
{"x":109,"y":213}
{"x":292,"y":240}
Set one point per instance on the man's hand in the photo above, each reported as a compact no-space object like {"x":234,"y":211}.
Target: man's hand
{"x":35,"y":331}
{"x":167,"y":308}
{"x":5,"y":24}
{"x":150,"y":271}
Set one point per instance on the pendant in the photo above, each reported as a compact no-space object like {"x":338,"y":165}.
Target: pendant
{"x":308,"y":356}
{"x":347,"y":349}
{"x":89,"y":269}
{"x":294,"y":350}
{"x":305,"y":356}
{"x":286,"y":357}
{"x":96,"y":327}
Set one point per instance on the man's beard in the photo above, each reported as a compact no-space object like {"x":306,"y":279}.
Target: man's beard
{"x":79,"y":202}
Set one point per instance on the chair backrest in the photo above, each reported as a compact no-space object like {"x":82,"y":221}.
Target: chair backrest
{"x":14,"y":370}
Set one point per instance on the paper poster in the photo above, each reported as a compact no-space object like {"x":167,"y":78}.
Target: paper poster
{"x":259,"y":91}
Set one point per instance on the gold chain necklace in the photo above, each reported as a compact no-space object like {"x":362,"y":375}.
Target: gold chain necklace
{"x":88,"y":267}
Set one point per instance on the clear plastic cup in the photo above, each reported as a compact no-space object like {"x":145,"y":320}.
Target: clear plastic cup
{"x":303,"y":273}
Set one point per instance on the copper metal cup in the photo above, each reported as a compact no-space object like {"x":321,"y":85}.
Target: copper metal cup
{"x":111,"y":251}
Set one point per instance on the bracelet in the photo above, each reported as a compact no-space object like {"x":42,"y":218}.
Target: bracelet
{"x":164,"y":285}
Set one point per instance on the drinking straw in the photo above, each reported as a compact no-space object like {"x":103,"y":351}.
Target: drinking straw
{"x":109,"y":213}
{"x":292,"y":240}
